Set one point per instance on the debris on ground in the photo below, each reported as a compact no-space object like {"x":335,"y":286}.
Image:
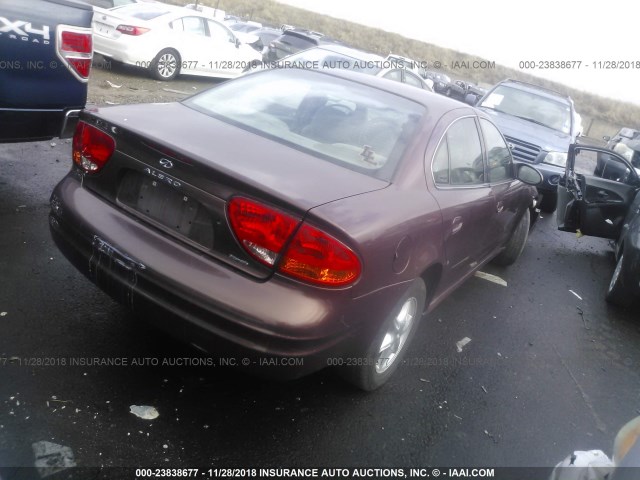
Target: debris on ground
{"x":491,"y":436}
{"x":484,"y":389}
{"x":113,"y":85}
{"x":144,"y":411}
{"x":584,"y":321}
{"x":461,"y":344}
{"x":578,"y":296}
{"x":491,"y":278}
{"x":52,"y":458}
{"x":3,"y":314}
{"x":171,"y":90}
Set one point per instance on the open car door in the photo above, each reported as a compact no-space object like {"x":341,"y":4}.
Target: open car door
{"x":595,"y":192}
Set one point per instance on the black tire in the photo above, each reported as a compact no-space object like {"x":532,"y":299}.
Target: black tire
{"x":549,"y":202}
{"x":516,"y":243}
{"x":166,"y":65}
{"x":617,"y":292}
{"x":378,"y":364}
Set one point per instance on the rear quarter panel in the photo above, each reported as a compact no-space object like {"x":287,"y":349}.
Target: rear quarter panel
{"x":396,"y":231}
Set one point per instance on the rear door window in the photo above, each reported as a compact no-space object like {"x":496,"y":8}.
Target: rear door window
{"x":499,"y":161}
{"x":465,"y":153}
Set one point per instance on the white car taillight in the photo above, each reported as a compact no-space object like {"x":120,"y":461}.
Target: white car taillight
{"x":75,"y":49}
{"x":131,"y":30}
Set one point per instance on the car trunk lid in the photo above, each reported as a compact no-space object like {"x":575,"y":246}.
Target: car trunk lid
{"x":106,"y":22}
{"x":176,"y":168}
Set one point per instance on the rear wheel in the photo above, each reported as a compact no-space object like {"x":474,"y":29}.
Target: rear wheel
{"x":166,"y":65}
{"x":618,"y":293}
{"x":384,"y":354}
{"x":516,"y":243}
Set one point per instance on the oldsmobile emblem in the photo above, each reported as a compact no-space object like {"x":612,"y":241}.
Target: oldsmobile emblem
{"x":166,"y":163}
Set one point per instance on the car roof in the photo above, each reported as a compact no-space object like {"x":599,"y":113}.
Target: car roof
{"x":167,"y":11}
{"x":348,"y":51}
{"x":309,"y":35}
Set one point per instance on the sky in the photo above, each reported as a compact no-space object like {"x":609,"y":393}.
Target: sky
{"x":595,"y":33}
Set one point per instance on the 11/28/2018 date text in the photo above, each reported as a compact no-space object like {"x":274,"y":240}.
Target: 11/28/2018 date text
{"x":212,"y":65}
{"x":579,"y":64}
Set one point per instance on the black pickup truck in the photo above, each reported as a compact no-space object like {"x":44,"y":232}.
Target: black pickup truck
{"x":45,"y":58}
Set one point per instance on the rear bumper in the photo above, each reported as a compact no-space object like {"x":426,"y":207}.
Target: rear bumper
{"x":202,"y":302}
{"x":34,"y":124}
{"x":131,"y":53}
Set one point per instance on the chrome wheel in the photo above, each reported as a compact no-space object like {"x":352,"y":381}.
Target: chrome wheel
{"x":396,"y":337}
{"x":384,"y":349}
{"x":167,"y":65}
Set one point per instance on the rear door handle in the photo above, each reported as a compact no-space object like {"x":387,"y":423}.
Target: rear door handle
{"x":456,"y":225}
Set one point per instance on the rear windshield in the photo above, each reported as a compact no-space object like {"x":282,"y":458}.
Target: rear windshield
{"x":337,"y":120}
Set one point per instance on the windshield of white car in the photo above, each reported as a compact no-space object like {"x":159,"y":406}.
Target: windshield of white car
{"x":531,"y":107}
{"x":346,"y":123}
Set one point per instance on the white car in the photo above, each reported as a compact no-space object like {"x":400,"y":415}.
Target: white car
{"x":170,"y":40}
{"x":347,"y":58}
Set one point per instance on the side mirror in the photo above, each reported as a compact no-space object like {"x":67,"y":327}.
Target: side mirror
{"x":471,"y":99}
{"x":606,"y":138}
{"x":237,"y":42}
{"x":528,"y":174}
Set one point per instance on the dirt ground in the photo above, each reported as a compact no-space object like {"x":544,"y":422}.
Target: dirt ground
{"x":114,"y":83}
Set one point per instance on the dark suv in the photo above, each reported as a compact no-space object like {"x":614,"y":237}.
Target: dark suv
{"x":627,"y":143}
{"x":539,"y":124}
{"x":293,"y":41}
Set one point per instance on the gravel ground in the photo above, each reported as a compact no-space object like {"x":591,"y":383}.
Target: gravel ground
{"x":114,"y":83}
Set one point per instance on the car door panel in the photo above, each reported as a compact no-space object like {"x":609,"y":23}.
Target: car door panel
{"x":223,"y":50}
{"x":466,"y":201}
{"x":191,"y":42}
{"x":501,"y":176}
{"x":596,"y":191}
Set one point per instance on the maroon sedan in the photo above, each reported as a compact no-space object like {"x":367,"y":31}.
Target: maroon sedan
{"x":307,"y":218}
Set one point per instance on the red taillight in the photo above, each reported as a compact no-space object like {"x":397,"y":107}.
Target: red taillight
{"x":316,"y":257}
{"x":75,"y":49}
{"x":81,"y":65}
{"x":92,"y":148}
{"x":76,"y":42}
{"x":311,"y":256}
{"x":262,"y":231}
{"x":131,"y":30}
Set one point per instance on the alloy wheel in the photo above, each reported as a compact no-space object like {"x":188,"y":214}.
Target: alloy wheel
{"x":396,"y":336}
